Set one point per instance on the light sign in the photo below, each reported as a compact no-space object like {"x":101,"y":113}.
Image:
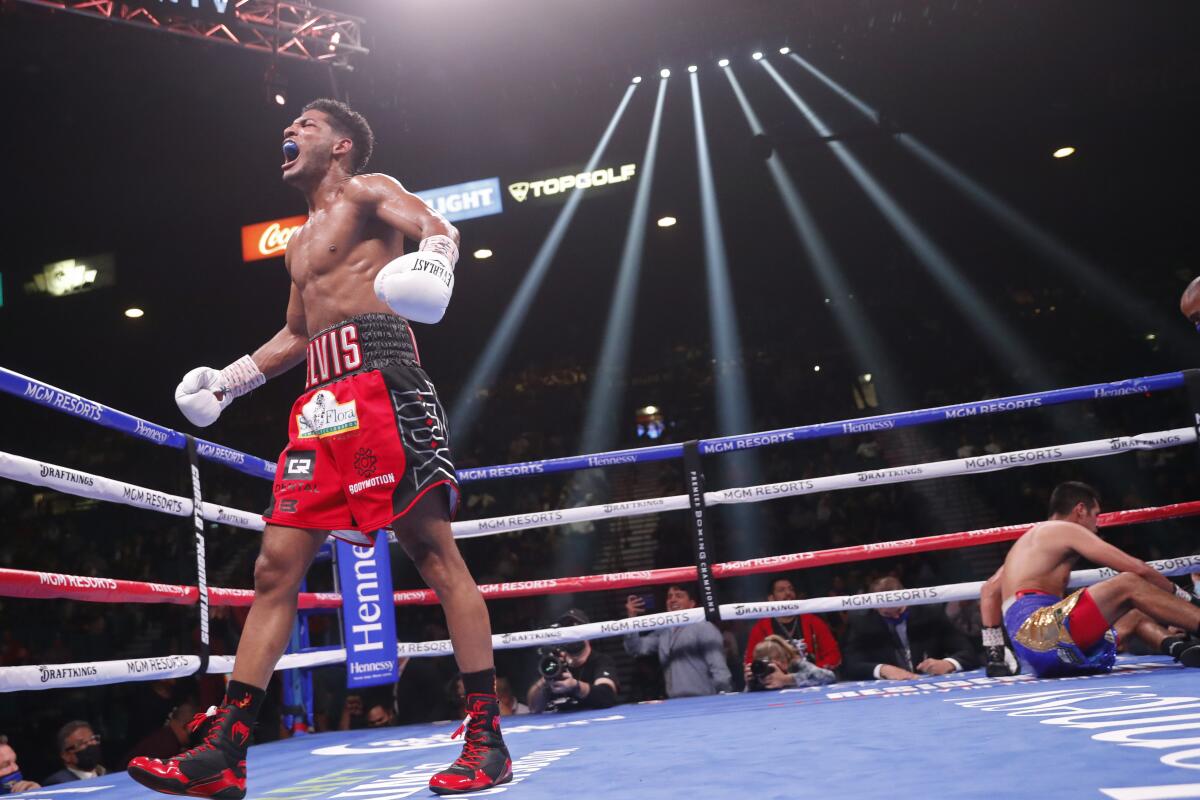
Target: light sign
{"x":465,"y":200}
{"x":521,"y":190}
{"x":74,"y":276}
{"x":269,"y":239}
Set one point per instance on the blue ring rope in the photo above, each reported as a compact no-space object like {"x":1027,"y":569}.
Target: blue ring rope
{"x":52,"y":397}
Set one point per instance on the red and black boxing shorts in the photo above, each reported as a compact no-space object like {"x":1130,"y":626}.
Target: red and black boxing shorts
{"x":367,"y":439}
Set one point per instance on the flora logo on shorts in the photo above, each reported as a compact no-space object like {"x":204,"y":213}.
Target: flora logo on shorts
{"x":324,"y":416}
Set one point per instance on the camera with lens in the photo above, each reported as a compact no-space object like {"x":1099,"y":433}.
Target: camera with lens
{"x":554,"y":662}
{"x":760,"y":668}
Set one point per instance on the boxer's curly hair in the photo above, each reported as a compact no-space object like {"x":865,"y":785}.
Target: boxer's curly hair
{"x":348,"y":122}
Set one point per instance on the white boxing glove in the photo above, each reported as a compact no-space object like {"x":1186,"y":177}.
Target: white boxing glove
{"x":417,"y":286}
{"x":205,"y":392}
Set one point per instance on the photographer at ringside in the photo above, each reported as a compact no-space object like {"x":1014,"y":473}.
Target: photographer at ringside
{"x":574,"y":677}
{"x":776,"y":664}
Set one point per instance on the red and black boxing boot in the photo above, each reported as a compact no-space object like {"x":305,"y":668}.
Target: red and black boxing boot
{"x":216,"y":766}
{"x":484,"y":761}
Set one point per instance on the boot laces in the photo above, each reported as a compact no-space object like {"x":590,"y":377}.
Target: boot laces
{"x":475,"y":746}
{"x":217,"y":715}
{"x":199,"y":719}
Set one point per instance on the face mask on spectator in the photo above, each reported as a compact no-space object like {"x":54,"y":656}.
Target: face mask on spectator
{"x":87,"y":758}
{"x":7,"y":781}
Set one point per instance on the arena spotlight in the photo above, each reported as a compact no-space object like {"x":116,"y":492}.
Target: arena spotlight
{"x":483,"y":253}
{"x":758,"y":56}
{"x":275,"y":85}
{"x":783,"y":51}
{"x":487,"y":366}
{"x":692,"y":68}
{"x":1064,"y":152}
{"x":867,"y":346}
{"x":724,"y":62}
{"x":733,"y":396}
{"x":610,"y":376}
{"x":732,"y":387}
{"x":664,"y":73}
{"x":637,"y":79}
{"x":1004,"y":340}
{"x":1116,"y":294}
{"x":666,"y":222}
{"x":134,"y":313}
{"x":816,"y":367}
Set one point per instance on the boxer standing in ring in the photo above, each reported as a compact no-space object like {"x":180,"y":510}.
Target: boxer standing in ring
{"x":367,"y":441}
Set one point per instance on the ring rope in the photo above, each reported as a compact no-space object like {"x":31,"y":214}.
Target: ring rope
{"x":144,"y":669}
{"x":85,"y":484}
{"x":98,"y":487}
{"x":30,"y":584}
{"x":44,"y":394}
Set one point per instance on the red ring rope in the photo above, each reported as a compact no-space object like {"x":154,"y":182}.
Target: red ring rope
{"x":48,"y":585}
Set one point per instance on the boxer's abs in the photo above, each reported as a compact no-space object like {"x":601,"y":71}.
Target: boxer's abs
{"x":333,"y":261}
{"x":329,"y":301}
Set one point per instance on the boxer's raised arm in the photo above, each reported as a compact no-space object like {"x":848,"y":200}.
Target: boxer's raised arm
{"x":417,"y":286}
{"x":287,"y":348}
{"x":399,"y":208}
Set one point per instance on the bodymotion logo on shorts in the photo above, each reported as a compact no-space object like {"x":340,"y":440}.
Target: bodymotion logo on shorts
{"x":368,"y":617}
{"x":301,"y":465}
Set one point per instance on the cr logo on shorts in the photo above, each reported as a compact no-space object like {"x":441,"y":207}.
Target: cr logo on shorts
{"x":300,"y":465}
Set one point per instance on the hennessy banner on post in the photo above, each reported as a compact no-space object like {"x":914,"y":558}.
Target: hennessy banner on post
{"x":368,"y":613}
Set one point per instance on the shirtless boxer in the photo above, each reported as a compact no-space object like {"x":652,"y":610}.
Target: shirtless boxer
{"x":367,"y":441}
{"x":1056,"y":636}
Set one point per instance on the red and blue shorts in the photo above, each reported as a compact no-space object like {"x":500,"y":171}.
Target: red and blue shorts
{"x":367,"y":439}
{"x":1059,"y":636}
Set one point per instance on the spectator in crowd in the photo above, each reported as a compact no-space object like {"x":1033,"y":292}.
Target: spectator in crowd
{"x":352,"y":714}
{"x":508,"y":701}
{"x":170,"y":738}
{"x":691,"y":657}
{"x":808,"y":633}
{"x":380,"y":715}
{"x":12,"y":650}
{"x":778,"y":665}
{"x":965,"y":616}
{"x":154,"y":702}
{"x":79,"y":749}
{"x":897,"y":643}
{"x":574,"y":677}
{"x":455,"y":704}
{"x":11,"y":779}
{"x":421,"y":691}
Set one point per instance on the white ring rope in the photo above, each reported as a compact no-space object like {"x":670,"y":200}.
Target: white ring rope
{"x":772,"y":491}
{"x":85,"y":484}
{"x":95,"y":673}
